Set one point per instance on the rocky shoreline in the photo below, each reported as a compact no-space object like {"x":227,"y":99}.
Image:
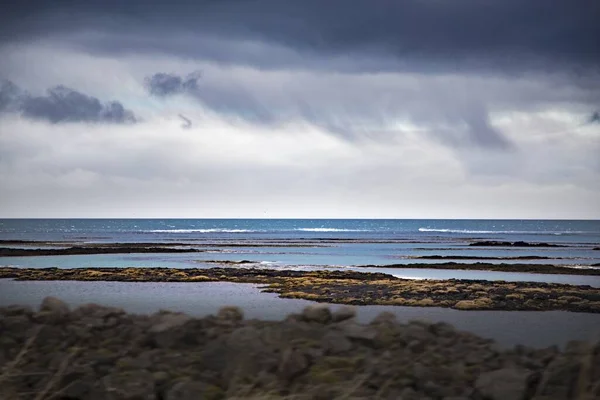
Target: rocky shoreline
{"x":95,"y":352}
{"x":351,"y":287}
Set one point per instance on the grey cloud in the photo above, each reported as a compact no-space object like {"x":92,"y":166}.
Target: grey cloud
{"x":10,"y":96}
{"x":481,"y":131}
{"x":164,"y":84}
{"x":512,"y":35}
{"x":342,"y":115}
{"x":594,"y":118}
{"x":187,"y":123}
{"x":62,"y":104}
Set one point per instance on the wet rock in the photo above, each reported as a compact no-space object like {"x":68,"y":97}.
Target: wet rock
{"x":320,"y":314}
{"x":507,"y":383}
{"x":54,"y":305}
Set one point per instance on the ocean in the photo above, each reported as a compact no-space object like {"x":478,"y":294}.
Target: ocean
{"x":312,"y":244}
{"x":301,"y":243}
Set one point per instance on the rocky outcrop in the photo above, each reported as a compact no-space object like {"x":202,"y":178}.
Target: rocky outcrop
{"x":95,"y":352}
{"x":493,"y":243}
{"x":351,"y":287}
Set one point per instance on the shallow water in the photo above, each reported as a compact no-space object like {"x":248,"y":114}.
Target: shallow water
{"x":184,"y":260}
{"x":531,"y":328}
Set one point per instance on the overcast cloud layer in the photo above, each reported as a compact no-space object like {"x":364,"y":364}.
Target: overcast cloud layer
{"x":430,"y":109}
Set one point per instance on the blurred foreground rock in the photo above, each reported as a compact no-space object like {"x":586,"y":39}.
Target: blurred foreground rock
{"x":94,"y":352}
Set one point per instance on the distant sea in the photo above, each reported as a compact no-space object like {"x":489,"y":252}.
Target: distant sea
{"x":121,"y":230}
{"x":310,"y":242}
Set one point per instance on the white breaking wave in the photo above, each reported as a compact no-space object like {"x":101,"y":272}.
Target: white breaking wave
{"x":330,"y":230}
{"x":499,"y":232}
{"x":201,"y":231}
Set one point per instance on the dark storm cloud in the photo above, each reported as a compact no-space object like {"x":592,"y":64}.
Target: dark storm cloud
{"x":383,"y":34}
{"x":62,"y":104}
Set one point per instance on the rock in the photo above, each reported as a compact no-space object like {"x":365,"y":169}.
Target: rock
{"x":343,"y":313}
{"x":92,"y":310}
{"x":54,"y":305}
{"x":416,"y":346}
{"x":335,"y":343}
{"x":245,"y":338}
{"x":230,"y":313}
{"x":506,"y":383}
{"x":14,"y":310}
{"x":359,"y":332}
{"x":168,"y":321}
{"x":320,"y":314}
{"x":385,"y":317}
{"x":194,"y":390}
{"x":409,"y":394}
{"x":559,"y":378}
{"x":442,"y":329}
{"x":293,"y":363}
{"x":129,"y":385}
{"x":160,"y":377}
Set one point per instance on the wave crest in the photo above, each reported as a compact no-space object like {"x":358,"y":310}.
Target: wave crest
{"x":501,"y":232}
{"x":330,"y":230}
{"x":202,"y":231}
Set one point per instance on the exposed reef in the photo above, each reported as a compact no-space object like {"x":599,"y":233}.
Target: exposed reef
{"x":479,"y":266}
{"x":492,"y":243}
{"x":440,"y":257}
{"x":350,"y":287}
{"x":80,"y":250}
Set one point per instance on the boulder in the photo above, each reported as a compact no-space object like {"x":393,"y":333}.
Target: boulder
{"x":54,"y":305}
{"x":194,"y":390}
{"x":343,"y":313}
{"x":502,"y":384}
{"x":320,"y":314}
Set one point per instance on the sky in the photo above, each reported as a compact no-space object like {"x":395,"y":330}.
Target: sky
{"x":300,"y":109}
